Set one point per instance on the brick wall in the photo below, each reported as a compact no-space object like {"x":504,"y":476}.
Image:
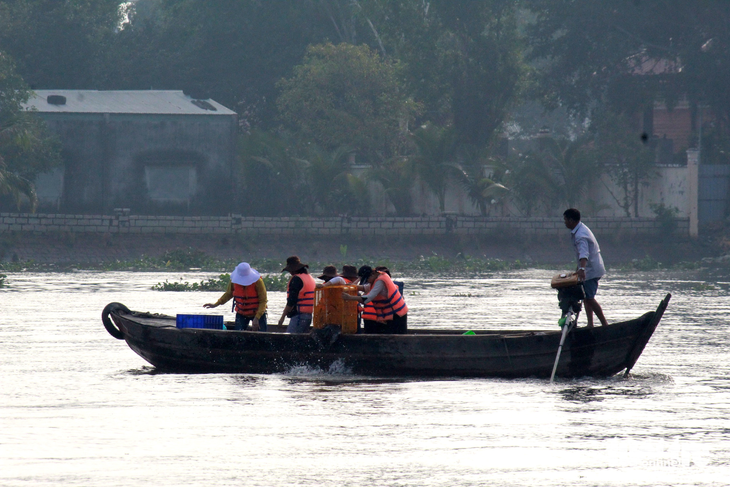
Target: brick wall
{"x":351,"y":226}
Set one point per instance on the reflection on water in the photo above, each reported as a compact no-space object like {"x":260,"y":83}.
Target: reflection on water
{"x":80,"y":408}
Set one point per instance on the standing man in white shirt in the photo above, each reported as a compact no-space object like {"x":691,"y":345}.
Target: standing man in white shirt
{"x":590,"y":262}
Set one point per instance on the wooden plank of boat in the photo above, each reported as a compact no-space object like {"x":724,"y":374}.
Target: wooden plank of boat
{"x":600,"y":351}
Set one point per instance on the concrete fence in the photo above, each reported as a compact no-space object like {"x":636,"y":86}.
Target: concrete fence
{"x":124,"y":223}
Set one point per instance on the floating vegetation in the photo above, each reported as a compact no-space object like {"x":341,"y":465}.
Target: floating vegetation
{"x":2,"y":279}
{"x":703,"y":286}
{"x":273,"y":283}
{"x":276,"y":282}
{"x":213,"y":284}
{"x":646,"y":264}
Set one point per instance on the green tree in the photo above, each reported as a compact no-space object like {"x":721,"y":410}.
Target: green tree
{"x":345,"y":95}
{"x":626,"y":54}
{"x":26,"y":147}
{"x":59,"y":44}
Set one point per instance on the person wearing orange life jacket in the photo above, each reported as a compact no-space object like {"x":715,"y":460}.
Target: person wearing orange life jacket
{"x":331,"y":278}
{"x":348,"y":276}
{"x":388,"y":313}
{"x":248,"y":292}
{"x":299,"y":297}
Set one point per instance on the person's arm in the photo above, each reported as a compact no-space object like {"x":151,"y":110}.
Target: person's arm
{"x":581,"y":246}
{"x":375,"y":290}
{"x":223,"y":299}
{"x":261,"y":293}
{"x":335,"y":281}
{"x":295,"y":285}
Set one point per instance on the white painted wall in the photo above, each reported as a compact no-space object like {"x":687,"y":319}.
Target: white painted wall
{"x":669,"y":186}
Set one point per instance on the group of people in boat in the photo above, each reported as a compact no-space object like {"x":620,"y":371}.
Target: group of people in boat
{"x":381,"y":303}
{"x":382,"y":308}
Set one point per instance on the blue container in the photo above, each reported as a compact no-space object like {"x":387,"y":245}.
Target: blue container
{"x":213,"y":322}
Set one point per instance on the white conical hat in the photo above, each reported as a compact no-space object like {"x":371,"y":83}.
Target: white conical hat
{"x":244,"y":275}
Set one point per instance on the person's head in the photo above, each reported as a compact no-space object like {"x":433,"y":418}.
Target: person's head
{"x":349,"y":272}
{"x":295,"y":266}
{"x":328,"y":273}
{"x":382,"y":268}
{"x":244,"y":275}
{"x":571,"y":218}
{"x":367,"y":274}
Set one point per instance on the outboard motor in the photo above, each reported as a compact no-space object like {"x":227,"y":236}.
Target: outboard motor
{"x":570,"y":296}
{"x":570,"y":301}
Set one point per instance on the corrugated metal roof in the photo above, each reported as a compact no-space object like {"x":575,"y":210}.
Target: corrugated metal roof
{"x":151,"y":102}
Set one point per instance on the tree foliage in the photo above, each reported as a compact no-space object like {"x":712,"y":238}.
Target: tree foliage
{"x":59,"y":44}
{"x":234,"y":51}
{"x":26,"y":148}
{"x":347,"y":95}
{"x":626,"y":54}
{"x":463,"y":59}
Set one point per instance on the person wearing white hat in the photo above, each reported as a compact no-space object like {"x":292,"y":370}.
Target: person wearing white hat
{"x":249,"y":298}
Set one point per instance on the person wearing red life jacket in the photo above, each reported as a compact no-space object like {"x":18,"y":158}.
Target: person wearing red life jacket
{"x":299,"y":297}
{"x":248,"y":292}
{"x":385,"y":309}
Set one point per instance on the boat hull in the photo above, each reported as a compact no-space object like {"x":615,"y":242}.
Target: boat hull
{"x":599,"y":351}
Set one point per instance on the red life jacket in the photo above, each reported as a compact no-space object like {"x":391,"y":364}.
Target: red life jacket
{"x":245,"y":299}
{"x":305,"y":299}
{"x":382,"y":309}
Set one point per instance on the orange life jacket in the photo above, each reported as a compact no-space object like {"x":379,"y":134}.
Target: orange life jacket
{"x":305,"y":299}
{"x":382,"y":309}
{"x":245,"y":299}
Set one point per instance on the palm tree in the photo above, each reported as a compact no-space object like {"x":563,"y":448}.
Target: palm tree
{"x":435,"y":159}
{"x":560,"y":172}
{"x":334,"y":188}
{"x":574,"y":167}
{"x":396,"y":176}
{"x":273,"y":179}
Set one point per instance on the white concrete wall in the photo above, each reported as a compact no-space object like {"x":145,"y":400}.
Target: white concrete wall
{"x":670,"y":186}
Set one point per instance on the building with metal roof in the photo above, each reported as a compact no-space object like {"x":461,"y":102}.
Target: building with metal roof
{"x":154,"y":152}
{"x":152,"y":102}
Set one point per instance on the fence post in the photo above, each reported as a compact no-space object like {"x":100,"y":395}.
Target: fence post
{"x":693,"y":159}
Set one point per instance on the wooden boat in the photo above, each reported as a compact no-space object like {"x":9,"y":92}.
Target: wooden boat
{"x":600,"y":351}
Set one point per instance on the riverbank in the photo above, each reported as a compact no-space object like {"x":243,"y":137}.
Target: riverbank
{"x":99,"y":250}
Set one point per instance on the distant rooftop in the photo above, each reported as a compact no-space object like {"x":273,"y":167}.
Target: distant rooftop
{"x":149,"y":102}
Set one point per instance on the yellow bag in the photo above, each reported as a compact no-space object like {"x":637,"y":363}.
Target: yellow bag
{"x":564,"y":279}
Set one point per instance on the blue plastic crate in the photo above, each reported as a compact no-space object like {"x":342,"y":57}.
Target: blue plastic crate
{"x":213,"y":322}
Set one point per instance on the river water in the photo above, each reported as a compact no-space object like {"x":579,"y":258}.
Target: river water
{"x":78,"y":407}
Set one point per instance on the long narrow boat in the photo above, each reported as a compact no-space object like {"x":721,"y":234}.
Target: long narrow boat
{"x":599,"y":352}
